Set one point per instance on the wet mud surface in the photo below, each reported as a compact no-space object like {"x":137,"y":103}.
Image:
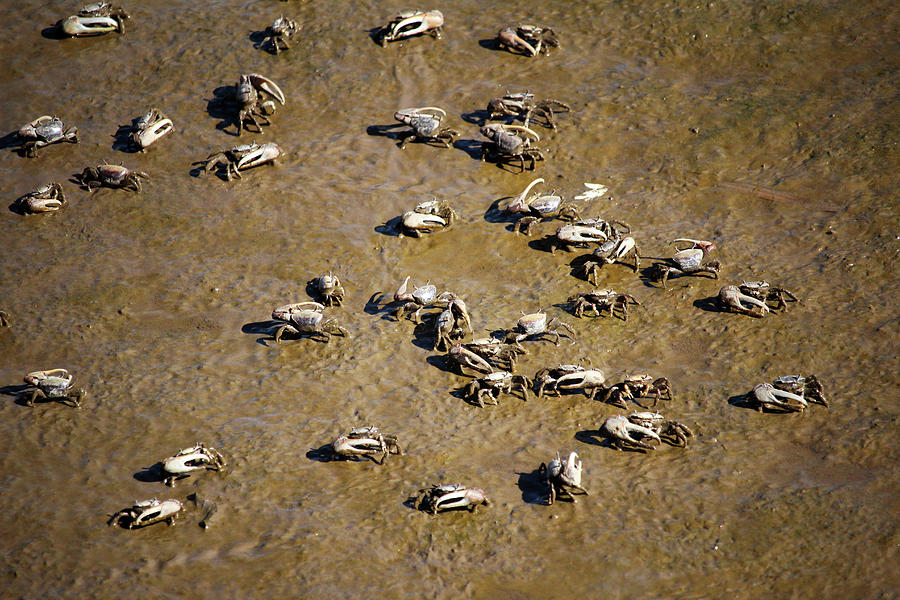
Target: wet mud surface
{"x":768,"y":129}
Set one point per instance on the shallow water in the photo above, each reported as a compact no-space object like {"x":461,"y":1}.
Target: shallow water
{"x":159,"y":301}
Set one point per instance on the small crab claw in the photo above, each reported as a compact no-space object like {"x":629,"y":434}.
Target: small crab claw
{"x":730,"y":298}
{"x":768,"y":395}
{"x":261,"y":82}
{"x":620,"y":429}
{"x":530,"y":132}
{"x":704,"y":245}
{"x":84,"y":26}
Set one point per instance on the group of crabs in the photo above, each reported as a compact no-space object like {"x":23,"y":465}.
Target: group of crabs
{"x":493,"y":359}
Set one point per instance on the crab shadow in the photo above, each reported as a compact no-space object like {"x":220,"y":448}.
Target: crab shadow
{"x":544,"y":244}
{"x":533,"y":488}
{"x":262,"y":328}
{"x":391,"y":227}
{"x":595,"y":437}
{"x":742,"y":401}
{"x":122,"y":139}
{"x":442,"y":362}
{"x":476,"y":117}
{"x":53,"y":33}
{"x":19,"y":394}
{"x":387,"y":131}
{"x":494,"y":214}
{"x":257,"y":38}
{"x":16,"y":206}
{"x":470,"y":147}
{"x":710,"y":304}
{"x":423,"y":333}
{"x":492,"y":44}
{"x":322,"y":454}
{"x":11,"y":140}
{"x":152,"y":474}
{"x":222,"y":106}
{"x":374,"y":306}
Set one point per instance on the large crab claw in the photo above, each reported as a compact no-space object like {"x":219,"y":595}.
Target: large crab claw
{"x":508,"y":37}
{"x":529,"y":132}
{"x":409,"y":112}
{"x":421,"y":22}
{"x":263,"y":83}
{"x":283,"y":313}
{"x":76,"y":26}
{"x":768,"y":395}
{"x":731,"y":298}
{"x":35,"y":376}
{"x":620,"y":431}
{"x":704,"y":245}
{"x":468,"y":359}
{"x":267,"y":152}
{"x":151,"y":134}
{"x":518,"y":204}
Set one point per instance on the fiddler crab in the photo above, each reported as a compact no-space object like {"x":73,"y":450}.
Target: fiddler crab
{"x":496,"y":351}
{"x":4,"y":318}
{"x":422,"y":297}
{"x":489,"y":387}
{"x":43,"y":131}
{"x":426,"y":126}
{"x":451,"y":324}
{"x":590,"y":381}
{"x":638,"y":386}
{"x":584,"y":232}
{"x":545,"y":379}
{"x":529,"y":40}
{"x":94,"y":19}
{"x":278,"y":34}
{"x":613,"y":250}
{"x":758,"y":294}
{"x":112,"y":176}
{"x":595,"y":301}
{"x":250,"y":106}
{"x":687,"y":261}
{"x":409,"y":23}
{"x":532,"y":209}
{"x":47,"y":198}
{"x":791,"y":393}
{"x":427,"y":217}
{"x":450,"y":496}
{"x":53,"y":384}
{"x":329,"y":289}
{"x":636,"y":431}
{"x":190,"y":460}
{"x":365,"y":442}
{"x":306,"y":319}
{"x":241,"y":158}
{"x":461,"y":357}
{"x":524,"y":105}
{"x":562,"y":477}
{"x":535,"y":325}
{"x":146,"y":513}
{"x":150,"y":128}
{"x":506,"y":146}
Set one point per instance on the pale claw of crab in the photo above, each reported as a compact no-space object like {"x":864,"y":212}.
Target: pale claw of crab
{"x":594,"y":190}
{"x":83,"y":26}
{"x":731,"y":297}
{"x":155,"y":132}
{"x":621,"y":428}
{"x":768,"y":395}
{"x":261,"y":82}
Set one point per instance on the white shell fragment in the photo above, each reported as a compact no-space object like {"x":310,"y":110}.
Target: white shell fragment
{"x":594,"y":190}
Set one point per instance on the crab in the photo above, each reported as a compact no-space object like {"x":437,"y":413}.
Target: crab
{"x":461,"y":357}
{"x":421,"y":297}
{"x":597,"y":300}
{"x":669,"y":431}
{"x":449,"y":496}
{"x":766,"y":395}
{"x":492,"y":349}
{"x":243,"y":157}
{"x":732,"y":299}
{"x":278,"y":34}
{"x":687,"y":261}
{"x":409,"y":23}
{"x":4,"y":319}
{"x":329,"y":289}
{"x":113,"y":176}
{"x":451,"y":324}
{"x":545,"y":379}
{"x":536,"y":207}
{"x":47,"y":198}
{"x":590,"y":381}
{"x":53,"y":384}
{"x":534,"y":325}
{"x":636,"y":386}
{"x":625,"y":435}
{"x":187,"y":461}
{"x":584,"y":232}
{"x":43,"y":131}
{"x":505,"y":145}
{"x":427,"y":217}
{"x":426,"y":126}
{"x":489,"y":387}
{"x":761,"y":290}
{"x":613,"y":250}
{"x":365,"y":442}
{"x":247,"y":95}
{"x":808,"y":387}
{"x":94,"y":19}
{"x":529,"y":40}
{"x":146,"y":513}
{"x":523,"y":104}
{"x":562,"y":477}
{"x":149,"y":128}
{"x":306,"y":319}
